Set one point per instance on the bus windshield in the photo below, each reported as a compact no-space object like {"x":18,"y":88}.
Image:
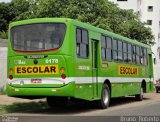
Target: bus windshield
{"x":37,"y":37}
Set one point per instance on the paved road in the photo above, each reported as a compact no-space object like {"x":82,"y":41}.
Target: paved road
{"x":127,"y":106}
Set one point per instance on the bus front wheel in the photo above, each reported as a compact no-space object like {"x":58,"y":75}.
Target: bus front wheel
{"x":105,"y":97}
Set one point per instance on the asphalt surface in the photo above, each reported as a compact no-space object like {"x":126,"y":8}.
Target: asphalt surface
{"x":118,"y":110}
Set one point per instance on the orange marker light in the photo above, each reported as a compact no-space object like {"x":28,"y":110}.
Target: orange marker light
{"x":62,"y":70}
{"x":58,"y":90}
{"x":10,"y":70}
{"x":78,"y":87}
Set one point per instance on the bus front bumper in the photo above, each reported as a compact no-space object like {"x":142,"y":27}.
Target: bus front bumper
{"x":67,"y":90}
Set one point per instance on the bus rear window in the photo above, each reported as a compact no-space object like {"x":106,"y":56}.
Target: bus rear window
{"x":37,"y":37}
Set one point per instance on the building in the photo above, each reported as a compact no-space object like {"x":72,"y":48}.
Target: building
{"x":3,"y":64}
{"x":148,"y":12}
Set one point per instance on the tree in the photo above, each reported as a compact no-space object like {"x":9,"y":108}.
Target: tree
{"x":100,"y":13}
{"x":11,"y":11}
{"x":4,"y":16}
{"x":18,"y":7}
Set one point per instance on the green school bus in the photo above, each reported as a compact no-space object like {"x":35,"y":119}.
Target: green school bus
{"x":63,"y":59}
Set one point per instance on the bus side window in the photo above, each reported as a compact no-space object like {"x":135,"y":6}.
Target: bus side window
{"x":78,"y":38}
{"x":106,"y":48}
{"x":103,"y":47}
{"x":115,"y":50}
{"x":129,"y":53}
{"x":125,"y":52}
{"x":109,"y":49}
{"x":82,"y":43}
{"x":119,"y":51}
{"x":133,"y":54}
{"x":141,"y":56}
{"x":145,"y":57}
{"x":137,"y":55}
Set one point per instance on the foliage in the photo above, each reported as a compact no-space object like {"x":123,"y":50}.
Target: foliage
{"x":100,"y":13}
{"x":3,"y":35}
{"x":4,"y":16}
{"x":17,"y":7}
{"x":10,"y":12}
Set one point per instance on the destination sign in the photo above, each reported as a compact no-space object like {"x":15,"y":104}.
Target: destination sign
{"x":128,"y":70}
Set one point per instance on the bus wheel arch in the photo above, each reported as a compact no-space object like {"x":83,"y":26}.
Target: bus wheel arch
{"x":143,"y":85}
{"x":107,"y":82}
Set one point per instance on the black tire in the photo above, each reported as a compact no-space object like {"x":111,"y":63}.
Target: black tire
{"x":156,"y":90}
{"x":54,"y":102}
{"x":103,"y":103}
{"x":139,"y":97}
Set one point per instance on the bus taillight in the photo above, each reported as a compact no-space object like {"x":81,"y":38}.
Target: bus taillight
{"x":10,"y":77}
{"x":63,"y":76}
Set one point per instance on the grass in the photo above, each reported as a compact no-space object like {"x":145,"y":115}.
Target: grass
{"x":23,"y":107}
{"x":2,"y":110}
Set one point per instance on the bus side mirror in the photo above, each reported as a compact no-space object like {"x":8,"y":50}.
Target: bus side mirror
{"x":154,"y":60}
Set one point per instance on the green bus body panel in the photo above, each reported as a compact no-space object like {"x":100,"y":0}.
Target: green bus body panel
{"x":67,"y":90}
{"x":84,"y":93}
{"x":129,"y":88}
{"x":68,"y":59}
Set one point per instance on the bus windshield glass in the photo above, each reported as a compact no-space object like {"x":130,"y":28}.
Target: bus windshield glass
{"x":37,"y":37}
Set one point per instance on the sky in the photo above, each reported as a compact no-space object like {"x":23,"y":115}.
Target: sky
{"x":5,"y":1}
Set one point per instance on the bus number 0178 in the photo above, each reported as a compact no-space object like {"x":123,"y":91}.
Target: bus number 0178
{"x":50,"y":61}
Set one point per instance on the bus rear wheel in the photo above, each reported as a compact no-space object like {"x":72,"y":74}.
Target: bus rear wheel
{"x":57,"y":101}
{"x":139,"y":97}
{"x":105,"y":97}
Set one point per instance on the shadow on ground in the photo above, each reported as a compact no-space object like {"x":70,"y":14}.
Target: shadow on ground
{"x":41,"y":107}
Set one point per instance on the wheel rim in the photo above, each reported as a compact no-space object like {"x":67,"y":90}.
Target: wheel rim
{"x":105,"y":96}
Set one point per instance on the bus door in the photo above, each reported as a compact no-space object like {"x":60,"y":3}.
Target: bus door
{"x":95,"y":67}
